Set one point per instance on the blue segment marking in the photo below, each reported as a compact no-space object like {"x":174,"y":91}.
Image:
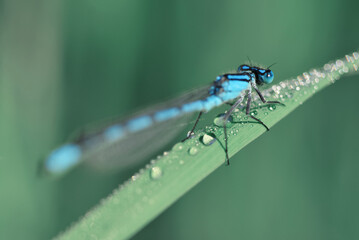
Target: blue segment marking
{"x":234,"y":86}
{"x":262,"y":71}
{"x":244,"y":77}
{"x":244,"y":67}
{"x":229,"y":96}
{"x":139,"y":123}
{"x":193,"y":106}
{"x":166,"y":114}
{"x":114,"y":132}
{"x":63,"y":158}
{"x":211,"y":102}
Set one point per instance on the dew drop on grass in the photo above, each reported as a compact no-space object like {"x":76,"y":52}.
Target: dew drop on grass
{"x":178,"y":147}
{"x":254,"y":113}
{"x":135,"y":177}
{"x":156,"y":173}
{"x":193,"y":151}
{"x":272,"y":107}
{"x":207,"y":139}
{"x":219,"y":120}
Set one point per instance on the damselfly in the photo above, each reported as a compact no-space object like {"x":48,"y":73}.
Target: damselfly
{"x":106,"y":141}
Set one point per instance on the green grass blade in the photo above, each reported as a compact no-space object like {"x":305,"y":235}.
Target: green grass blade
{"x":165,"y":180}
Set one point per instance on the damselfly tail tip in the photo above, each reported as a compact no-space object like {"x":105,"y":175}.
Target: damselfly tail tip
{"x":61,"y":159}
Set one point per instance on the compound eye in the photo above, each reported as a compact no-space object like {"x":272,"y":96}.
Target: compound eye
{"x":268,"y":77}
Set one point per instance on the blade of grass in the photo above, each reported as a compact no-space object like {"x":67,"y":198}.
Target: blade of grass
{"x":165,"y":180}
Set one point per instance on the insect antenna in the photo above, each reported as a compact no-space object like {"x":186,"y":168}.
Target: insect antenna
{"x":271,"y":65}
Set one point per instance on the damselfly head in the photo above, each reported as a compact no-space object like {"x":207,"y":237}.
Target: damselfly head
{"x":265,"y":76}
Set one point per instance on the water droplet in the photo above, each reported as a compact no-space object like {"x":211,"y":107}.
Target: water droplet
{"x":134,"y":177}
{"x":218,"y":121}
{"x":156,"y":173}
{"x":181,"y":162}
{"x":254,"y":113}
{"x":265,"y":113}
{"x":356,"y":55}
{"x":272,"y":107}
{"x":190,"y":134}
{"x":207,"y":139}
{"x":193,"y":151}
{"x":178,"y":147}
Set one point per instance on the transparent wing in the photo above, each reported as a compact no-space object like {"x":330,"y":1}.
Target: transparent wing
{"x":134,"y":147}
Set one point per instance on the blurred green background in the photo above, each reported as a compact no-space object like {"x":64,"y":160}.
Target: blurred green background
{"x":68,"y":63}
